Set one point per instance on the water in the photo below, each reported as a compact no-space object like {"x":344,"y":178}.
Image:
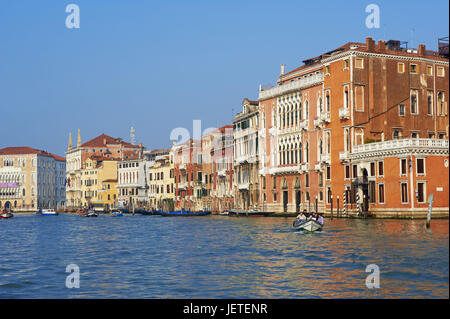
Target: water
{"x":220,"y":257}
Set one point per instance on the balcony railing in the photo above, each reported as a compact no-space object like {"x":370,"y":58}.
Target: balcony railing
{"x":317,"y":122}
{"x":325,"y":117}
{"x":344,"y":113}
{"x":284,"y":169}
{"x":244,"y":186}
{"x":343,"y":156}
{"x":422,"y":143}
{"x":304,"y":124}
{"x":317,"y":166}
{"x":324,"y":158}
{"x":291,"y":86}
{"x":304,"y":167}
{"x":222,"y":172}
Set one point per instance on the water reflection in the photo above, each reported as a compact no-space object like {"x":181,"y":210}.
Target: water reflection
{"x":221,"y":257}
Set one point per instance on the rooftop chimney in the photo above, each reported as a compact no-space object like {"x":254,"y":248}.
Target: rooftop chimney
{"x":370,"y":44}
{"x":381,"y":46}
{"x":282,"y":69}
{"x":422,"y":49}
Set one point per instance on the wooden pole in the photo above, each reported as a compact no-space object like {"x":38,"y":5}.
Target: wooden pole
{"x":331,"y":206}
{"x":337,"y":209}
{"x":430,"y":207}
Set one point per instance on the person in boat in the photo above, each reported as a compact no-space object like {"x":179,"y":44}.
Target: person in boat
{"x":320,"y":219}
{"x":312,"y":216}
{"x":301,"y":217}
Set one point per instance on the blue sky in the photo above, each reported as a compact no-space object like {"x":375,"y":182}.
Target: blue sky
{"x":157,"y":65}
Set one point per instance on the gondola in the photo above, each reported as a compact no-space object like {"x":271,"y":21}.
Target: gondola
{"x":180,"y":213}
{"x":6,"y":214}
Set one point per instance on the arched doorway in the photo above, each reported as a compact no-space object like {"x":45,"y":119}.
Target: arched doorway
{"x":8,"y":206}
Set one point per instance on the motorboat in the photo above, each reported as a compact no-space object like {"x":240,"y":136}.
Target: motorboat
{"x":116,"y":213}
{"x":91,"y":213}
{"x":47,"y":212}
{"x":308,"y":225}
{"x":6,"y":214}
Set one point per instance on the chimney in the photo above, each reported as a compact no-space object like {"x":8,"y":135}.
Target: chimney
{"x":370,"y":44}
{"x":79,"y":139}
{"x":422,"y":49}
{"x":282,"y":69}
{"x":70,"y":140}
{"x":104,"y":141}
{"x":381,"y":46}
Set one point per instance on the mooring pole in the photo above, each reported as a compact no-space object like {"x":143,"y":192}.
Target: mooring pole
{"x":331,"y":206}
{"x":337,"y":207}
{"x":317,"y":205}
{"x":430,"y":207}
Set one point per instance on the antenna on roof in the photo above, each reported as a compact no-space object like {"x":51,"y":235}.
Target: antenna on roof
{"x":132,"y":136}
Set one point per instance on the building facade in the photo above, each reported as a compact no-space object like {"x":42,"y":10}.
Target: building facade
{"x":246,"y":163}
{"x":102,"y":145}
{"x":31,"y":179}
{"x":325,"y":123}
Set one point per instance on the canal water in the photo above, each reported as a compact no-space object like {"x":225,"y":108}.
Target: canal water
{"x":220,"y":257}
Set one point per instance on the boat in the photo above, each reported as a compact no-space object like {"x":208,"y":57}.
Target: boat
{"x":47,"y":212}
{"x":143,"y":212}
{"x":6,"y":214}
{"x":308,"y":225}
{"x":183,"y":213}
{"x":116,"y":213}
{"x":91,"y":214}
{"x":249,"y":213}
{"x":224,"y":213}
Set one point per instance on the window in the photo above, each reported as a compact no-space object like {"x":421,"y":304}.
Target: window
{"x":440,"y":71}
{"x":380,"y":168}
{"x":359,"y":63}
{"x":396,"y":134}
{"x":414,"y":102}
{"x":328,"y":173}
{"x":430,"y":103}
{"x":372,"y":192}
{"x":421,"y":192}
{"x":401,"y":67}
{"x":359,"y":98}
{"x":372,"y":169}
{"x":401,"y":109}
{"x":329,"y":194}
{"x":420,"y":166}
{"x":403,"y":167}
{"x":355,"y":171}
{"x":442,"y":105}
{"x":274,"y":197}
{"x":429,"y":70}
{"x":347,"y":171}
{"x":381,"y":193}
{"x":327,"y":69}
{"x":414,"y":69}
{"x":404,"y":192}
{"x":345,"y":64}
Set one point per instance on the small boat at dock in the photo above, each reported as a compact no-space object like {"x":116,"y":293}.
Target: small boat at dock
{"x":249,"y":213}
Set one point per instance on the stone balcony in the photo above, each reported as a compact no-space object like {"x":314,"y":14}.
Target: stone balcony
{"x":291,"y":86}
{"x":244,"y":186}
{"x":400,"y":147}
{"x":317,"y":122}
{"x":304,"y":124}
{"x":317,"y":167}
{"x":222,"y":172}
{"x":344,"y":156}
{"x":182,"y":185}
{"x":325,"y":117}
{"x":325,"y":158}
{"x":284,"y":169}
{"x":304,"y":167}
{"x":344,"y":113}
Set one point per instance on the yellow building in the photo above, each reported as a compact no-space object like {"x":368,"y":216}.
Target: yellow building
{"x":161,"y":183}
{"x":98,"y":180}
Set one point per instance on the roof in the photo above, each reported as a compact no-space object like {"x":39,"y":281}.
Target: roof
{"x":25,"y":150}
{"x":104,"y":140}
{"x":110,"y":181}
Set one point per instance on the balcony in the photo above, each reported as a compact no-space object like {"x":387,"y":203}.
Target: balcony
{"x":317,"y":167}
{"x":325,"y":117}
{"x":344,"y":156}
{"x":291,"y":86}
{"x":304,"y":167}
{"x":304,"y":124}
{"x":344,"y":113}
{"x":182,"y":185}
{"x":400,"y":146}
{"x":325,"y":158}
{"x":244,"y":186}
{"x":317,"y":122}
{"x":284,"y":169}
{"x":182,"y":167}
{"x":222,"y":172}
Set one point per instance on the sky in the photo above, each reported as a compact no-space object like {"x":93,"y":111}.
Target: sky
{"x":159,"y":65}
